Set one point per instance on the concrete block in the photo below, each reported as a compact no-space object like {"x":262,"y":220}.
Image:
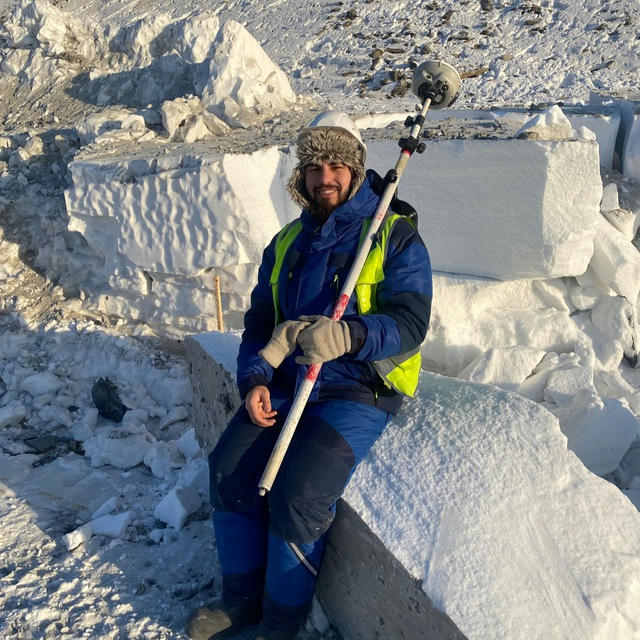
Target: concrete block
{"x":215,"y":394}
{"x":368,"y":595}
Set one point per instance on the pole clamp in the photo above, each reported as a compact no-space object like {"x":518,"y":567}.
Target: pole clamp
{"x":412,"y":145}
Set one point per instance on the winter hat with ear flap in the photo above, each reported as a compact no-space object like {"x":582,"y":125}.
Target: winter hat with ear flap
{"x":332,"y":138}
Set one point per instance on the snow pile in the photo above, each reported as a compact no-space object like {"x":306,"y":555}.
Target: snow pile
{"x":43,"y":42}
{"x":495,"y":481}
{"x":551,"y":124}
{"x":151,"y":60}
{"x":243,"y":80}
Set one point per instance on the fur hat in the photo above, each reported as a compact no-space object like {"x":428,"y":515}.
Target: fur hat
{"x":325,"y":145}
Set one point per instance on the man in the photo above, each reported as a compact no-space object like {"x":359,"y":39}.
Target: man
{"x":270,"y":547}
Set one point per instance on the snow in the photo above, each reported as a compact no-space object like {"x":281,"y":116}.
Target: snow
{"x":496,"y":481}
{"x":145,"y":150}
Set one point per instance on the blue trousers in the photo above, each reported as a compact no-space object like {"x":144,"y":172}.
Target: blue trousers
{"x":270,"y":547}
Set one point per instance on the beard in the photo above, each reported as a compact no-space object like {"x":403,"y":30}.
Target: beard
{"x":320,"y":213}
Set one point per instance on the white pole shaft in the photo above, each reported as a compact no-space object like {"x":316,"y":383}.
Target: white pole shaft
{"x":301,"y":398}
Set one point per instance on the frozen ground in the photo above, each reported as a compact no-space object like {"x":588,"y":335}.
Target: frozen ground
{"x":144,"y":78}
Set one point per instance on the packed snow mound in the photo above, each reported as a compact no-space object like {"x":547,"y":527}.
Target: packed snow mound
{"x":551,"y":124}
{"x":244,"y":81}
{"x":474,"y":491}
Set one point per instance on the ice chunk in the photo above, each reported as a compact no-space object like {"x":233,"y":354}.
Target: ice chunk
{"x":600,"y":433}
{"x":123,"y":447}
{"x":107,"y":507}
{"x":565,"y":385}
{"x":85,"y":427}
{"x":551,"y":124}
{"x":504,"y":367}
{"x":195,"y":474}
{"x":112,"y":526}
{"x":78,"y":536}
{"x":616,"y":262}
{"x":533,"y":387}
{"x":615,"y":318}
{"x":54,"y":416}
{"x":610,"y":200}
{"x":39,"y":383}
{"x":175,"y":415}
{"x":177,"y":506}
{"x":158,"y":459}
{"x":12,"y":414}
{"x":188,"y":444}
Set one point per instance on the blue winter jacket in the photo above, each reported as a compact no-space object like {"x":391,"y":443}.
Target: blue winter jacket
{"x":315,"y":268}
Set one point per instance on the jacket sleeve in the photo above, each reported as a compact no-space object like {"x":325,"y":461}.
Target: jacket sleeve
{"x":259,"y":322}
{"x":403,"y":300}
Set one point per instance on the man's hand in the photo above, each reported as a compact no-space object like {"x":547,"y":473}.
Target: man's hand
{"x":283,"y":342}
{"x":324,"y":339}
{"x":258,"y":404}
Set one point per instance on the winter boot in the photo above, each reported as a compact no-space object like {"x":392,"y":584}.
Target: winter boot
{"x":218,"y":620}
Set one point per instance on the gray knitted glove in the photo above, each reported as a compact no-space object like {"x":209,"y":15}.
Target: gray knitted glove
{"x":323,"y":340}
{"x":283,"y":342}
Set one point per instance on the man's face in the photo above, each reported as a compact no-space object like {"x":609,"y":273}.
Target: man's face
{"x":328,"y":185}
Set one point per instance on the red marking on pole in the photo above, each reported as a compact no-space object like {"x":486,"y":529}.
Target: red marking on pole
{"x":341,"y":305}
{"x":312,"y":372}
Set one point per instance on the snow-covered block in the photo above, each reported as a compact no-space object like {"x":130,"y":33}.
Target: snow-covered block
{"x":600,"y":433}
{"x":504,"y":367}
{"x":615,"y":261}
{"x":471,"y":315}
{"x":631,"y":152}
{"x":551,"y":124}
{"x":188,"y":445}
{"x":41,"y":383}
{"x":212,"y":367}
{"x":113,"y":526}
{"x":180,"y":214}
{"x":186,"y":120}
{"x":511,"y":208}
{"x":177,"y":506}
{"x":122,"y":447}
{"x":469,"y":475}
{"x":12,"y":413}
{"x":244,"y":83}
{"x":100,"y":122}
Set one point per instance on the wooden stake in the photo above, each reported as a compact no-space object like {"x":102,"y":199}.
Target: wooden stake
{"x":216,"y":286}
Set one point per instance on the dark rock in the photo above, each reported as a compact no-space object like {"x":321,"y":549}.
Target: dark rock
{"x":107,"y":401}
